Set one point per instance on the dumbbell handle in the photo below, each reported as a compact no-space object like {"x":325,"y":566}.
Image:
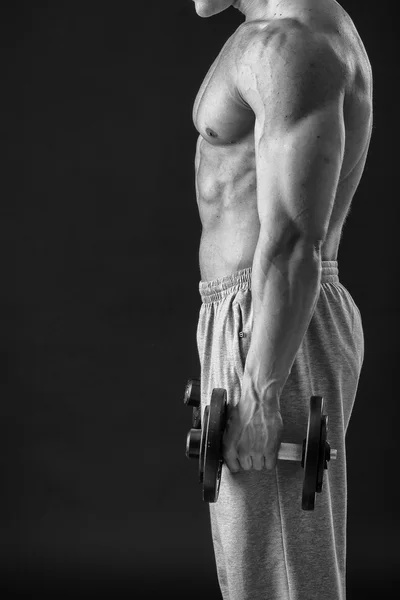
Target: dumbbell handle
{"x":286,"y":451}
{"x":295,"y":452}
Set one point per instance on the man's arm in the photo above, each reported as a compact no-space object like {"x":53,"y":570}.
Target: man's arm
{"x":295,"y":85}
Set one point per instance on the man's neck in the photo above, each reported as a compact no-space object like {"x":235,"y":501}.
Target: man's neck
{"x":266,"y":9}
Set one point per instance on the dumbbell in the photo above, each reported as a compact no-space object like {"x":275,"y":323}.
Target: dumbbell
{"x":204,"y":443}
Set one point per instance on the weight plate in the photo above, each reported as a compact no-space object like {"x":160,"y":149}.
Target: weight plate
{"x":196,"y":417}
{"x":192,"y":393}
{"x":193,"y":443}
{"x":324,"y":453}
{"x":213,"y":447}
{"x":312,"y":452}
{"x":203,"y":443}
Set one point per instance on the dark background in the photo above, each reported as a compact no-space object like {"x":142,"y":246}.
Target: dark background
{"x":99,"y":302}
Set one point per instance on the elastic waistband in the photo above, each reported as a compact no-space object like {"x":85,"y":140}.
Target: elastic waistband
{"x":212,"y":291}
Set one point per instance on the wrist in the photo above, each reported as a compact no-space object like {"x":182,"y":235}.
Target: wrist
{"x":261,"y":393}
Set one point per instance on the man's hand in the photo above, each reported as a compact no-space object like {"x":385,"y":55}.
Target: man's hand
{"x":253,"y":434}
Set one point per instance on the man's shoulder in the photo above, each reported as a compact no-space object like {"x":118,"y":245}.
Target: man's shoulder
{"x":288,"y":60}
{"x":288,"y":42}
{"x":278,"y":34}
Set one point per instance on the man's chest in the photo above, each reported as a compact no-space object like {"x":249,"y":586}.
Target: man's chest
{"x":219,"y":115}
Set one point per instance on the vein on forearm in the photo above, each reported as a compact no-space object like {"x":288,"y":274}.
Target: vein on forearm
{"x":285,"y":288}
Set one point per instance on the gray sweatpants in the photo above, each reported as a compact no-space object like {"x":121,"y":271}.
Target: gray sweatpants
{"x":266,"y":547}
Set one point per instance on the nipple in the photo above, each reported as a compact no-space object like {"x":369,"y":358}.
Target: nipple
{"x":211,"y":133}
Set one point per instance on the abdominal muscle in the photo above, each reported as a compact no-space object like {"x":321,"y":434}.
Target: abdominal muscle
{"x":228,"y":246}
{"x":228,"y":241}
{"x":227,"y":202}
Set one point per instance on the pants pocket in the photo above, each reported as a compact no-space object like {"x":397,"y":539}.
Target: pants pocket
{"x":240,"y":341}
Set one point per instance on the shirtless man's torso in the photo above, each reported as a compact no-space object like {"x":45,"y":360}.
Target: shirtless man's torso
{"x":225,"y":167}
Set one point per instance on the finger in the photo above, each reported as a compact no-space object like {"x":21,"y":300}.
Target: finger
{"x":232,"y":464}
{"x":271,"y":457}
{"x":258,"y":461}
{"x":270,"y":462}
{"x":271,"y":453}
{"x":245,"y":462}
{"x":231,"y":459}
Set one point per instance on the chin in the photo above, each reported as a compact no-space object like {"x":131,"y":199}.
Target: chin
{"x":205,"y":8}
{"x":204,"y":11}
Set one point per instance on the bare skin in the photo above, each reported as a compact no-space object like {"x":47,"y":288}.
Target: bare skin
{"x":249,"y":184}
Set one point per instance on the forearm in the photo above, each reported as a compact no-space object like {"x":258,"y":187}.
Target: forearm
{"x":285,"y":288}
